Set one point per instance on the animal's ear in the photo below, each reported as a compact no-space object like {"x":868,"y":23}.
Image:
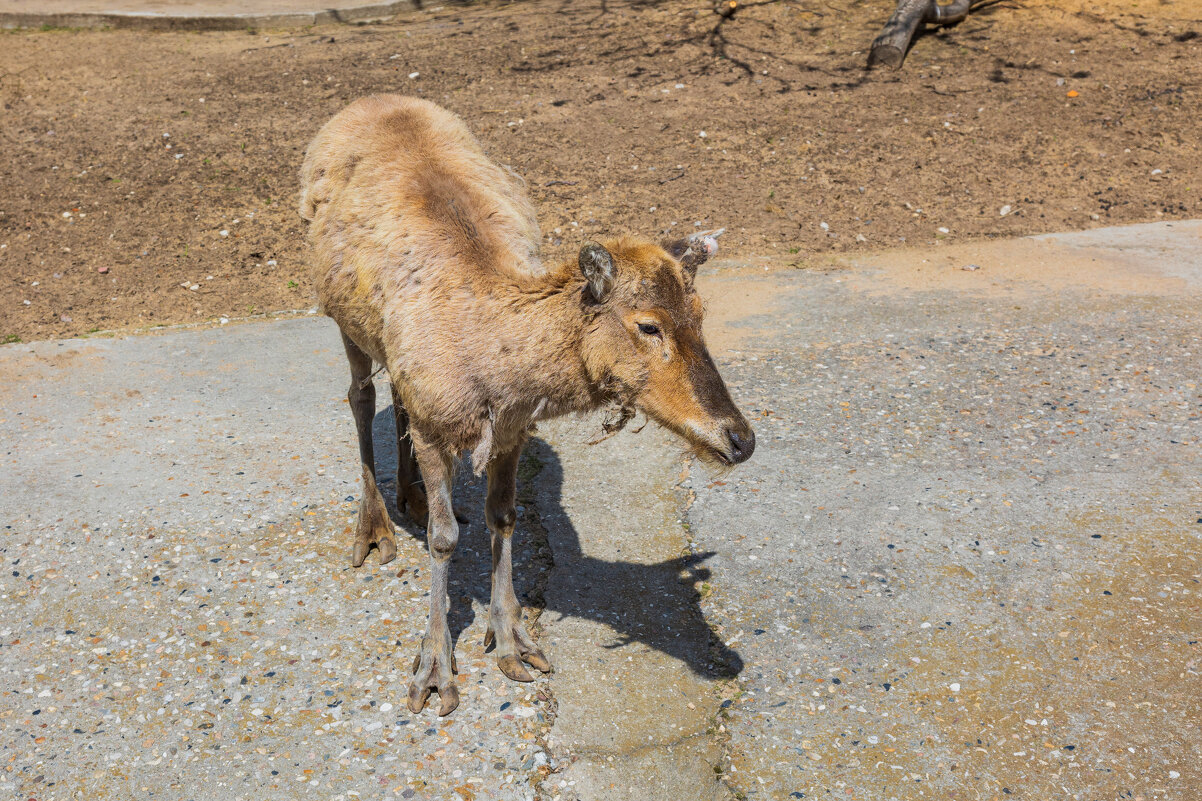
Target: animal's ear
{"x":599,"y":270}
{"x":693,"y":251}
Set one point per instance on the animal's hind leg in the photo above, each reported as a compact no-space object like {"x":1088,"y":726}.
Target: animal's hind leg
{"x":505,"y":628}
{"x":410,"y":497}
{"x":373,"y":526}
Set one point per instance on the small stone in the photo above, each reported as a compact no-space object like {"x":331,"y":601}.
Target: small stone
{"x":224,"y":232}
{"x":385,"y":707}
{"x":1004,"y":210}
{"x":971,"y":267}
{"x":414,"y":74}
{"x":954,"y":687}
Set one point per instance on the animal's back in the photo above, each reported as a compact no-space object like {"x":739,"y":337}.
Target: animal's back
{"x":403,"y":202}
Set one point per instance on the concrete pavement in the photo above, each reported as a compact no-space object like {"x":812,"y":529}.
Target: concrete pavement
{"x":179,"y":614}
{"x":193,"y":14}
{"x":963,"y":562}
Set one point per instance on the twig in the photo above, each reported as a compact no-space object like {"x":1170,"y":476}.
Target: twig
{"x":365,"y":382}
{"x":611,"y":427}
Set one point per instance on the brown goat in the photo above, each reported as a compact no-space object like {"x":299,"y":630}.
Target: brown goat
{"x":425,"y":253}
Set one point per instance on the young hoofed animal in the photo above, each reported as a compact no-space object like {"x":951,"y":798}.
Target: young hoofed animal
{"x":425,"y":253}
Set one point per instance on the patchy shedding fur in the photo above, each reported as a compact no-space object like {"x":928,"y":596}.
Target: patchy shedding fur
{"x":425,"y":253}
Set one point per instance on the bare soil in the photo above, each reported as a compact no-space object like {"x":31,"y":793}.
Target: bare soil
{"x":151,"y":178}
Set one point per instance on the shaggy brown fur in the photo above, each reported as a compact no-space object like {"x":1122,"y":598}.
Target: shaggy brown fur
{"x":425,"y":253}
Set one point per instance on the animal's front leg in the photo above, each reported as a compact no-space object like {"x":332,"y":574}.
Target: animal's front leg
{"x":410,"y":497}
{"x":505,"y":629}
{"x":434,"y":667}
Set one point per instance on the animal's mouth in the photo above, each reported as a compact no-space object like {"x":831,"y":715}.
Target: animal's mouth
{"x":712,"y":454}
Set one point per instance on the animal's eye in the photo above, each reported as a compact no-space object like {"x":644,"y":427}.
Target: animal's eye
{"x":650,"y":329}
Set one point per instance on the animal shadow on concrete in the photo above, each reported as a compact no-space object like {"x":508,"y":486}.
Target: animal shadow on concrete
{"x":645,"y":603}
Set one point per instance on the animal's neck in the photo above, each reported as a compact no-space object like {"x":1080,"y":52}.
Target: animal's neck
{"x":548,"y":348}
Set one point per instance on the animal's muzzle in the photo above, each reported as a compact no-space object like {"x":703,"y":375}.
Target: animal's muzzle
{"x":742,"y":442}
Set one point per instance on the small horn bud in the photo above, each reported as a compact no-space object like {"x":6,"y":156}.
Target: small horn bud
{"x":694,"y":250}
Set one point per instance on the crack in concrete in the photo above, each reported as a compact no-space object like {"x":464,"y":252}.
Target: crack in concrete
{"x":717,"y":732}
{"x":529,"y":469}
{"x":630,"y":753}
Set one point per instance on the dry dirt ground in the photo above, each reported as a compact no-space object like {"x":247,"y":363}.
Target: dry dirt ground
{"x":151,"y":178}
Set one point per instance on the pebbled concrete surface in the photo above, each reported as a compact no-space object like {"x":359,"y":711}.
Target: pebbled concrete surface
{"x":178,"y":614}
{"x":963,"y":562}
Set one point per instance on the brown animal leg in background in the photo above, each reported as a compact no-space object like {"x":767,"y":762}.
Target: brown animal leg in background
{"x":410,"y":497}
{"x":434,"y":667}
{"x":373,"y":526}
{"x":505,"y":629}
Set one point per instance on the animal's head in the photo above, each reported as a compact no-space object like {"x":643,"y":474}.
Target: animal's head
{"x":644,"y":345}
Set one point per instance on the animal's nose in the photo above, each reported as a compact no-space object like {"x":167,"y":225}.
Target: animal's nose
{"x":742,"y":442}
